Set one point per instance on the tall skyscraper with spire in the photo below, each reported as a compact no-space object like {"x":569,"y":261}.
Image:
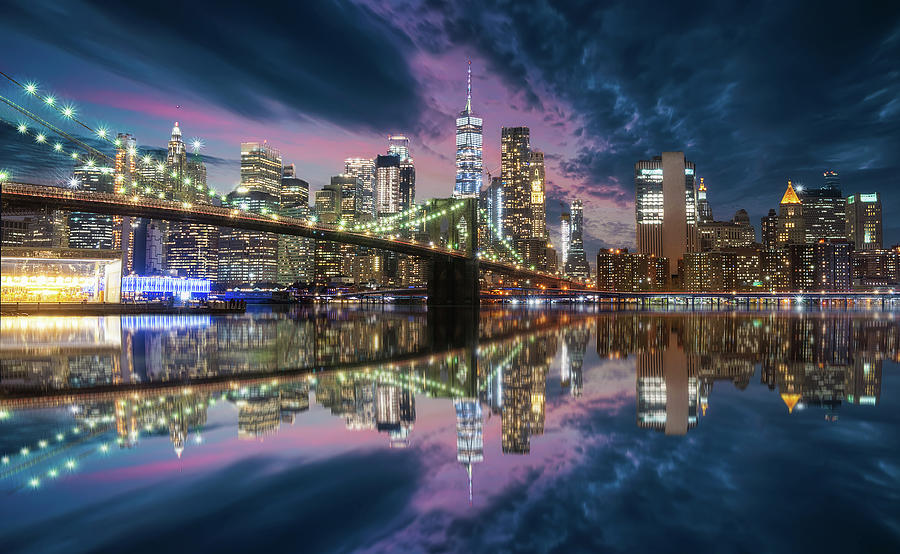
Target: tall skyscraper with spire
{"x":704,"y":211}
{"x":469,"y":163}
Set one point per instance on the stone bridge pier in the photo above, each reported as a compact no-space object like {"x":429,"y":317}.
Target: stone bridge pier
{"x":453,"y":281}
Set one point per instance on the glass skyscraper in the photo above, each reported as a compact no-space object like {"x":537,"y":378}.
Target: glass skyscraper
{"x":469,"y":164}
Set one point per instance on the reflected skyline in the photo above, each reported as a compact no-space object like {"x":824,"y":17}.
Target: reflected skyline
{"x":819,"y":360}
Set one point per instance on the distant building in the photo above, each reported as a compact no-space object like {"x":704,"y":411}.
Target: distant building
{"x":515,"y":151}
{"x":791,"y":225}
{"x":387,"y":184}
{"x":87,"y":230}
{"x":864,"y":221}
{"x":294,"y":253}
{"x":469,"y":165}
{"x":576,"y":262}
{"x":769,"y":228}
{"x":665,"y":207}
{"x":872,"y":268}
{"x":717,"y":235}
{"x":824,"y":210}
{"x":249,"y":256}
{"x":704,"y":210}
{"x":261,"y":168}
{"x":536,"y":178}
{"x":364,"y":170}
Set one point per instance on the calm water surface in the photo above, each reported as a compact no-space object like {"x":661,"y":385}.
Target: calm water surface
{"x":399,"y":430}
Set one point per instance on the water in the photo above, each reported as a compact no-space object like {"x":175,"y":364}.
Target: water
{"x":405,"y":430}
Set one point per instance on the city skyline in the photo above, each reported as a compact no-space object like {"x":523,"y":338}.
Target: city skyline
{"x":596,"y":125}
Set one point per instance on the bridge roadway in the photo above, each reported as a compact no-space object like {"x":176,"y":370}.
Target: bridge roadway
{"x":26,"y":195}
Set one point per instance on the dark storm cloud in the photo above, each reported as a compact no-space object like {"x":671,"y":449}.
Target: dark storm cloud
{"x":330,"y":60}
{"x":754,"y":93}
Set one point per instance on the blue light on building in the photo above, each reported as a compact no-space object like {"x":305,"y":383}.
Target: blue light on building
{"x":160,"y":285}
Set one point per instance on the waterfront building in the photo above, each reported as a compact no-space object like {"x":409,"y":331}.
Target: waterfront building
{"x":492,"y":202}
{"x":824,"y":210}
{"x":364,"y":170}
{"x":60,"y":275}
{"x":864,"y":221}
{"x":469,"y":164}
{"x":249,"y":256}
{"x":791,"y":224}
{"x":769,"y":230}
{"x":294,"y":253}
{"x":710,"y":271}
{"x":775,"y":270}
{"x":576,"y":260}
{"x":665,"y":207}
{"x":873,"y":268}
{"x":621,"y":271}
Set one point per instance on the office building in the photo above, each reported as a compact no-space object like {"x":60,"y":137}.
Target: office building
{"x":536,"y":181}
{"x":294,"y":253}
{"x":875,"y":268}
{"x":717,"y":235}
{"x":824,"y":210}
{"x":387,"y":184}
{"x":515,"y":151}
{"x":576,"y":261}
{"x":621,"y":271}
{"x":469,"y":165}
{"x":125,"y":177}
{"x":261,"y":168}
{"x":407,"y":186}
{"x":565,"y":235}
{"x":665,"y":207}
{"x":87,"y":230}
{"x":791,"y":225}
{"x":249,"y":256}
{"x":364,"y":170}
{"x":864,"y":221}
{"x":769,"y":230}
{"x":492,"y":203}
{"x":704,"y":210}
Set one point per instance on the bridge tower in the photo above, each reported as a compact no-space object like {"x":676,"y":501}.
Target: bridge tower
{"x":453,"y":280}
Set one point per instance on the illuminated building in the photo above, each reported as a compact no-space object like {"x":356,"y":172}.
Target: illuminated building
{"x":665,"y":207}
{"x":136,"y":286}
{"x":398,"y":145}
{"x":125,"y":176}
{"x":704,"y":211}
{"x":515,"y":150}
{"x":576,"y":260}
{"x":619,"y":270}
{"x":536,"y":181}
{"x":407,"y":184}
{"x":469,"y":435}
{"x":249,"y":256}
{"x":492,"y":203}
{"x":710,"y":271}
{"x":387,"y":184}
{"x":775,"y":270}
{"x":862,"y":381}
{"x":769,"y":228}
{"x":874,"y":268}
{"x":347,"y":193}
{"x":15,"y":231}
{"x":717,"y":235}
{"x":60,"y":275}
{"x":294,"y":259}
{"x":864,"y":221}
{"x":261,"y":168}
{"x":364,"y":170}
{"x":565,"y":235}
{"x":294,"y":399}
{"x":791,"y":225}
{"x":469,"y":164}
{"x":87,"y":230}
{"x":824,"y":210}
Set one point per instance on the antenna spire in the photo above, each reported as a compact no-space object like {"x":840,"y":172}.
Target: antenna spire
{"x":469,"y":87}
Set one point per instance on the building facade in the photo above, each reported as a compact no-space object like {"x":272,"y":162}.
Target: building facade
{"x":864,"y":221}
{"x":469,"y":164}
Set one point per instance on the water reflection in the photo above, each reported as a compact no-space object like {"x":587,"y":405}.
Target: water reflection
{"x":85,"y":388}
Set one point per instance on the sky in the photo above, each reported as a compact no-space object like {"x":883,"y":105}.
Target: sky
{"x":754,"y":93}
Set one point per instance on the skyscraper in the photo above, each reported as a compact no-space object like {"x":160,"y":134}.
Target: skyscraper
{"x":565,"y":235}
{"x":704,"y":211}
{"x":387,"y":184}
{"x":398,"y":145}
{"x":538,"y":222}
{"x":864,"y":221}
{"x":791,"y":225}
{"x":191,"y":249}
{"x":261,"y":168}
{"x":515,"y":151}
{"x":125,"y":173}
{"x":576,"y":263}
{"x":294,"y":253}
{"x":769,"y":226}
{"x":665,"y":207}
{"x":364,"y":170}
{"x":252,"y":256}
{"x":87,"y":230}
{"x":469,"y":165}
{"x":407,"y":184}
{"x":824,"y":210}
